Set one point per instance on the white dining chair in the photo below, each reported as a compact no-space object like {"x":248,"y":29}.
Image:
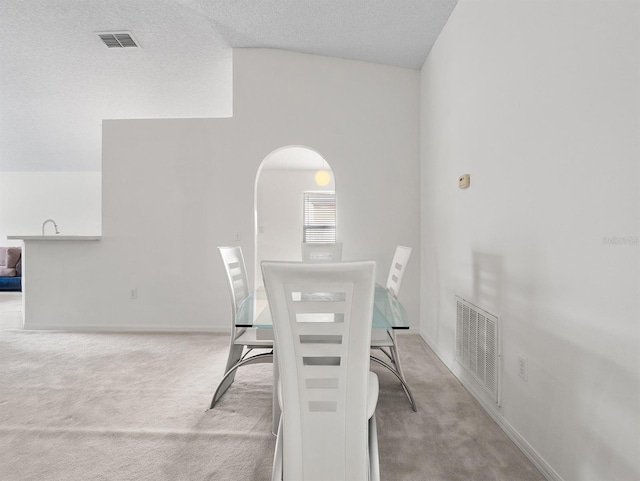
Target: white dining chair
{"x":398,"y":268}
{"x":245,"y":339}
{"x":385,"y":340}
{"x":322,"y":315}
{"x":321,"y":252}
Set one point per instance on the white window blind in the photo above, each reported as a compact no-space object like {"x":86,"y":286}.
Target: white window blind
{"x":319,"y":217}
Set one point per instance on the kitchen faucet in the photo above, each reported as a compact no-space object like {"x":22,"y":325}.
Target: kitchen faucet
{"x":54,"y":225}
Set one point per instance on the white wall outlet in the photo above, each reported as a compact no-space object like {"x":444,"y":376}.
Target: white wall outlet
{"x":237,"y":237}
{"x":522,"y":368}
{"x":464,"y":181}
{"x":133,"y":293}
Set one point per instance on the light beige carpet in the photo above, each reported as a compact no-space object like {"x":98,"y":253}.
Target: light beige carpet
{"x":97,"y":406}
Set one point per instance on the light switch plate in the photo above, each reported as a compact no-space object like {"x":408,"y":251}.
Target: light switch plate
{"x":464,"y":181}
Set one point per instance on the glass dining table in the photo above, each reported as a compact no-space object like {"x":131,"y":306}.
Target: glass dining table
{"x":388,"y":316}
{"x":388,"y":313}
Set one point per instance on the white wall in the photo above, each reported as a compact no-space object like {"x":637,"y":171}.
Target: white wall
{"x":539,"y":101}
{"x":27,"y":199}
{"x":174,"y":190}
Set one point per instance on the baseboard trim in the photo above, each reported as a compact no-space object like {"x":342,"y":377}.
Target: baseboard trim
{"x":538,"y":461}
{"x":130,"y":329}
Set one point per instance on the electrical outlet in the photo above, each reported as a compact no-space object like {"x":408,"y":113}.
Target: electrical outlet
{"x":133,"y":293}
{"x":237,"y":237}
{"x":522,"y":368}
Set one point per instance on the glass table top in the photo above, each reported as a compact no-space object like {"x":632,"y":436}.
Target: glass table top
{"x":388,"y":313}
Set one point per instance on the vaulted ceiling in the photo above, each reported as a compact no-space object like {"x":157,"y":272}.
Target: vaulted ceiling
{"x":58,"y":80}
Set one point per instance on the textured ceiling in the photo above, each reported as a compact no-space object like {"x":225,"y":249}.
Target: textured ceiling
{"x":392,"y":32}
{"x":58,"y":81}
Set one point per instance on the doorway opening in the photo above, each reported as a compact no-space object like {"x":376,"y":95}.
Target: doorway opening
{"x":282,"y":180}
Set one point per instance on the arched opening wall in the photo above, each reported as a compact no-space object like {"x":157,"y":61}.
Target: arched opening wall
{"x":281,"y":181}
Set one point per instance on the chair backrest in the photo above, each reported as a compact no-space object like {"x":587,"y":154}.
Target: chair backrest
{"x":322,"y":317}
{"x":398,"y":266}
{"x":321,"y":252}
{"x":236,"y":275}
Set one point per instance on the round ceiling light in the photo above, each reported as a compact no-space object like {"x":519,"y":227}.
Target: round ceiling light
{"x":323,"y":177}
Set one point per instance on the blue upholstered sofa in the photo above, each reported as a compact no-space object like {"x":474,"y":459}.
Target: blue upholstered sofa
{"x":10,"y":268}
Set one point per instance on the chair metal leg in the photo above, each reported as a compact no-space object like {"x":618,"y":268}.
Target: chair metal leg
{"x":396,"y":367}
{"x":405,"y":386}
{"x":230,"y":374}
{"x":276,"y":410}
{"x":276,"y":471}
{"x":388,"y":354}
{"x":234,"y":357}
{"x":374,"y":457}
{"x":396,"y":363}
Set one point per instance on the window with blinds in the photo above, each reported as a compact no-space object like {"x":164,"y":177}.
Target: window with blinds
{"x":319,"y":217}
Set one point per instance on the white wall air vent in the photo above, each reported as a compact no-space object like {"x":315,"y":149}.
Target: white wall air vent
{"x":118,"y":39}
{"x":477,"y":347}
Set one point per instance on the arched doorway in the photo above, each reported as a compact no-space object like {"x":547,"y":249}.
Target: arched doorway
{"x":281,"y":182}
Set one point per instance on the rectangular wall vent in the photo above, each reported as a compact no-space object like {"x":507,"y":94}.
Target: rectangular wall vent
{"x":118,"y":39}
{"x":477,"y":346}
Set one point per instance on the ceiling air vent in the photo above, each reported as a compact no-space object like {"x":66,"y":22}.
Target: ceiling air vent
{"x":118,"y":39}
